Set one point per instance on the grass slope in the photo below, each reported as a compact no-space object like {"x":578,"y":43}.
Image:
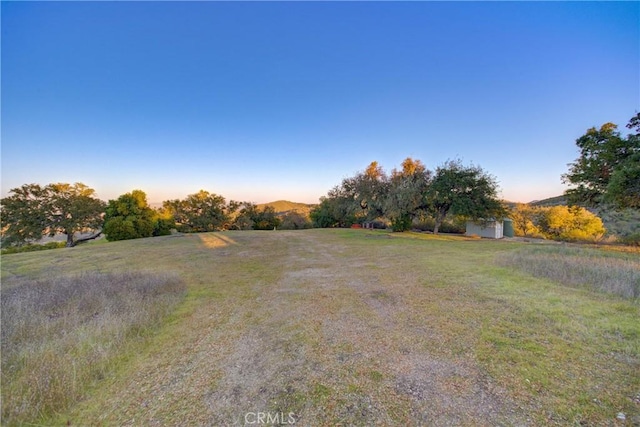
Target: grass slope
{"x":354,"y":327}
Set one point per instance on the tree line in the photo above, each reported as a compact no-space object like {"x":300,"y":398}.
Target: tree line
{"x":410,"y":193}
{"x":32,"y":212}
{"x":607,"y":172}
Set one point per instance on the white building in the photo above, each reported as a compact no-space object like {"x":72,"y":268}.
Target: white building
{"x":491,"y":229}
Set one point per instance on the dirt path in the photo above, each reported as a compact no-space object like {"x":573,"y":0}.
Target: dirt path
{"x":303,"y":329}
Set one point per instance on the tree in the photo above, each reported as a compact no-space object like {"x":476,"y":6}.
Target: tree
{"x":251,"y":217}
{"x":33,"y":211}
{"x":294,"y":220}
{"x":410,"y":193}
{"x":356,"y":199}
{"x":199,"y":212}
{"x":131,"y":217}
{"x":463,"y":190}
{"x":243,"y":219}
{"x":266,"y":219}
{"x":623,"y":190}
{"x":524,"y":219}
{"x":323,"y":216}
{"x":363,"y":194}
{"x":607,"y":168}
{"x":569,"y":223}
{"x":405,"y":195}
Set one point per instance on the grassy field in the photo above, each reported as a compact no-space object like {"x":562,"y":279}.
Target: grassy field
{"x":355,"y":327}
{"x":61,"y":333}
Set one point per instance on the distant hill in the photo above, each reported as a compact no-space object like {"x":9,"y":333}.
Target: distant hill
{"x":282,"y":206}
{"x":551,"y":201}
{"x":618,"y":223}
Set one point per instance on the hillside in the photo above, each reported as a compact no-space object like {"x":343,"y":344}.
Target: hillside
{"x":619,"y":223}
{"x":282,"y":206}
{"x":551,"y":201}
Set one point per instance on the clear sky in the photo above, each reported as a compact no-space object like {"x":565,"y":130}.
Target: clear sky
{"x":261,"y":101}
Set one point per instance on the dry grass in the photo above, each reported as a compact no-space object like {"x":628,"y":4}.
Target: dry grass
{"x":596,"y":269}
{"x":60,"y":335}
{"x":355,"y":327}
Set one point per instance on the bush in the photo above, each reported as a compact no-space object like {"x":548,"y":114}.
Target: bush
{"x":163,"y":226}
{"x":631,"y":240}
{"x":60,"y":335}
{"x":293,"y":220}
{"x":451,"y":225}
{"x":401,"y":223}
{"x":33,"y":247}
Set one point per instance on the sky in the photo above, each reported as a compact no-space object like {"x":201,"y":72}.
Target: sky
{"x":261,"y":101}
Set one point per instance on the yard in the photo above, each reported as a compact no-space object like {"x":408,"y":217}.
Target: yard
{"x":355,"y":327}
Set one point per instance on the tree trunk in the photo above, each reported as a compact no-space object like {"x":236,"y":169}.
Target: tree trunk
{"x":438,"y":221}
{"x":70,"y":242}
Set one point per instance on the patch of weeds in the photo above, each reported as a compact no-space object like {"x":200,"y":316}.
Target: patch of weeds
{"x":288,"y":401}
{"x":320,"y":392}
{"x":376,"y":376}
{"x":354,"y":388}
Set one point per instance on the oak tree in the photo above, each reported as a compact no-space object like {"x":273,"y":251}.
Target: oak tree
{"x":131,"y":217}
{"x":32,"y":212}
{"x":199,"y":212}
{"x":608,"y":168}
{"x":463,"y":190}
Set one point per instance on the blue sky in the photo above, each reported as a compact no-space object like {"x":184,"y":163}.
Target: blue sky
{"x":262,"y":101}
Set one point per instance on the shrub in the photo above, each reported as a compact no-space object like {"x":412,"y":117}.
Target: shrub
{"x":450,"y":225}
{"x":33,"y":247}
{"x":60,"y":335}
{"x":401,"y":223}
{"x":163,"y":226}
{"x":631,"y":240}
{"x":293,"y":220}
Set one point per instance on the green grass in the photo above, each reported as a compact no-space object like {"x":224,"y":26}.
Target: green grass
{"x":358,"y":327}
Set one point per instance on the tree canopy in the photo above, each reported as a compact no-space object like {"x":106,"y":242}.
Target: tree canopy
{"x":202,"y":211}
{"x":463,"y":190}
{"x":250,"y":217}
{"x":32,"y":212}
{"x":131,"y":217}
{"x":408,"y":193}
{"x":608,"y":169}
{"x":405,"y":191}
